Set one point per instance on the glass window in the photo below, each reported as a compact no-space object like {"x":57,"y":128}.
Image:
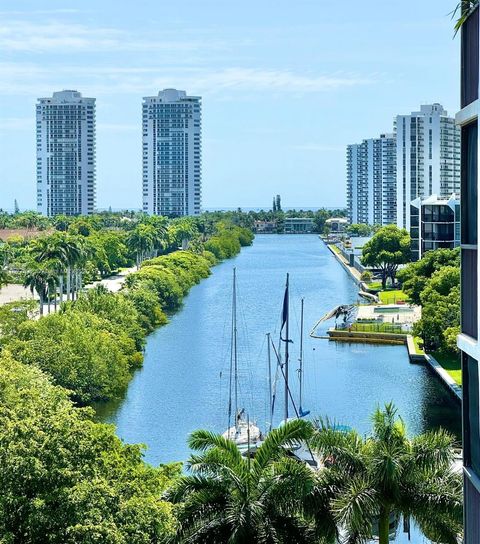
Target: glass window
{"x":469,"y":183}
{"x":471,"y":415}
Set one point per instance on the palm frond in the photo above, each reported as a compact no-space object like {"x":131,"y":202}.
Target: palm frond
{"x":461,"y":13}
{"x":202,"y":440}
{"x":432,"y":450}
{"x":277,"y":441}
{"x":344,"y":450}
{"x":355,"y":508}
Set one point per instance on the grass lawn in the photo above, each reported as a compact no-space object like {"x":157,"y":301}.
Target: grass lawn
{"x":451,"y":363}
{"x":418,"y":350}
{"x":335,"y":248}
{"x":392,"y":296}
{"x":375,"y":285}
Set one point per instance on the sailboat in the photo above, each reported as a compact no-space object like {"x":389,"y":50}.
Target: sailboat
{"x":301,"y":411}
{"x":301,"y":452}
{"x":241,"y":430}
{"x":284,"y":365}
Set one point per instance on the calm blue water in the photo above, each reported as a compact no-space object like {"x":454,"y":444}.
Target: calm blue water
{"x":183,"y":384}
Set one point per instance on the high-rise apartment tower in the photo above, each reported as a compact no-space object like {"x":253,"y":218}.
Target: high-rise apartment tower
{"x":428,"y":158}
{"x":371,"y":195}
{"x":66,"y":154}
{"x":172,"y":154}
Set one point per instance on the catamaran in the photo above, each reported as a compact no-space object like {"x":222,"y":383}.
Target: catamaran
{"x":241,"y":430}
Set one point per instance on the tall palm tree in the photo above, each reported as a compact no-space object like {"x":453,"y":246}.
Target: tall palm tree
{"x":141,"y":241}
{"x":389,"y":474}
{"x":160,"y":226}
{"x":4,"y":276}
{"x":230,"y":498}
{"x":51,"y":251}
{"x":73,"y":253}
{"x":37,"y":279}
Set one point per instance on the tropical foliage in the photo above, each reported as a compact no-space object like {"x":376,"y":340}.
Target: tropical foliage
{"x":231,"y":498}
{"x":387,"y":474}
{"x":388,"y":248}
{"x":66,"y":479}
{"x":434,"y":282}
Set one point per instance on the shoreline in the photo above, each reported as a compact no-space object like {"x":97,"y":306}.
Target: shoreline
{"x":390,"y":339}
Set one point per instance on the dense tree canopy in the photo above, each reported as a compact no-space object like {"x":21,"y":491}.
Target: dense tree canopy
{"x":66,"y":479}
{"x":415,"y":276}
{"x":434,"y":283}
{"x":388,"y":248}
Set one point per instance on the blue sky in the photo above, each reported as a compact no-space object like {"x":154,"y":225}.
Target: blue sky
{"x":285,"y":86}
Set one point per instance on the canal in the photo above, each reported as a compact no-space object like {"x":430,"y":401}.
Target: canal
{"x":183,"y":384}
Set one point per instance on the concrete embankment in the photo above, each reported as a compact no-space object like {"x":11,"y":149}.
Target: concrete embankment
{"x":389,"y":338}
{"x":339,"y":335}
{"x":353,"y":272}
{"x":438,"y":369}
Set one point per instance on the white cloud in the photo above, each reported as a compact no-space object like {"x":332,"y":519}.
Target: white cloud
{"x":60,"y":37}
{"x":36,"y":80}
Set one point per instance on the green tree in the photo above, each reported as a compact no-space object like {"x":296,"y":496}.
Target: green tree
{"x":79,"y":351}
{"x":37,"y":279}
{"x":414,"y":276}
{"x":68,"y":480}
{"x":440,"y":301}
{"x":388,"y":473}
{"x":388,"y":248}
{"x":359,"y":229}
{"x":235,"y":499}
{"x":181,"y":231}
{"x":141,"y":241}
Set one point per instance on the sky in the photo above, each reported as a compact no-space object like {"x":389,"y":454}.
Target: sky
{"x":285,"y":86}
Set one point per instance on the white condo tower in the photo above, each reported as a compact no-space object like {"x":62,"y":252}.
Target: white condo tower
{"x":172,"y":125}
{"x":428,"y":157}
{"x":66,"y":154}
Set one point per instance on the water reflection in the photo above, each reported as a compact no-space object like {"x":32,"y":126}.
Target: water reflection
{"x":183,"y":384}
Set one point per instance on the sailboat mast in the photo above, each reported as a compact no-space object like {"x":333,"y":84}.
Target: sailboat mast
{"x":270,"y":391}
{"x":235,"y":355}
{"x":301,"y":357}
{"x":287,"y":340}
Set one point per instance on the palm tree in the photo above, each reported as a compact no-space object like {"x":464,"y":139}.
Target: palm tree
{"x":181,"y":231}
{"x":159,"y":224}
{"x":51,"y":251}
{"x":73,"y":254}
{"x":37,"y":279}
{"x":141,"y":241}
{"x":230,"y":498}
{"x":389,"y":474}
{"x":4,"y":276}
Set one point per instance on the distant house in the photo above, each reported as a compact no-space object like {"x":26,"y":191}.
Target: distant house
{"x":337,"y":224}
{"x":298,"y":225}
{"x":265,"y":227}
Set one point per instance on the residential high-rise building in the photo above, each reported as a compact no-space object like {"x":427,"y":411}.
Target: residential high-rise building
{"x":467,"y":119}
{"x":66,"y":154}
{"x":428,"y":157}
{"x":371,"y":194}
{"x":172,"y":152}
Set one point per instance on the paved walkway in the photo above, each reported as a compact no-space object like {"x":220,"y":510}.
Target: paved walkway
{"x":13,"y":292}
{"x":113,"y":283}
